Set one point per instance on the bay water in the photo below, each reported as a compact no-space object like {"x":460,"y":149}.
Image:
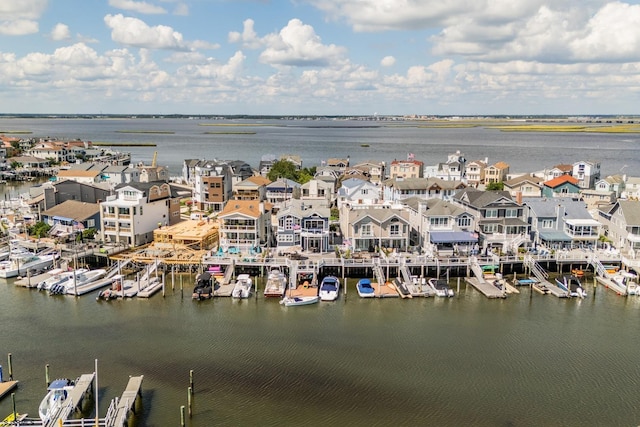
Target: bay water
{"x":528,"y":360}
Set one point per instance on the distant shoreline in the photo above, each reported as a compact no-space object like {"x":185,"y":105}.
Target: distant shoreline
{"x":124,"y":144}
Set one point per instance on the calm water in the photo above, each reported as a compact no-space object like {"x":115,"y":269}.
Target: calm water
{"x":528,"y":360}
{"x":315,"y":141}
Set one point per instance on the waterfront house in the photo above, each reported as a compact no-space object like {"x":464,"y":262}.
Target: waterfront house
{"x":49,"y":194}
{"x":252,"y":188}
{"x":55,"y":153}
{"x":554,"y":172}
{"x":212,"y":185}
{"x":454,"y":169}
{"x":240,"y":170}
{"x":587,"y":173}
{"x":561,"y":222}
{"x":303,"y":224}
{"x":475,"y":172}
{"x":622,"y":225}
{"x":71,"y":217}
{"x":189,"y":171}
{"x":266,"y":163}
{"x":358,"y":192}
{"x":562,"y":186}
{"x":499,"y":219}
{"x":281,"y":190}
{"x":296,"y":160}
{"x":442,"y":226}
{"x":244,"y":225}
{"x":406,"y":169}
{"x":612,"y":183}
{"x":496,"y":173}
{"x":338,"y":163}
{"x":29,"y":162}
{"x":328,"y":175}
{"x":632,"y":188}
{"x":382,"y":226}
{"x":153,"y":173}
{"x":116,"y":174}
{"x":524,"y":186}
{"x":398,"y":189}
{"x":130,"y":216}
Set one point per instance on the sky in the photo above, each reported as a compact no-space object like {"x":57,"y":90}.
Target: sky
{"x":320,"y":57}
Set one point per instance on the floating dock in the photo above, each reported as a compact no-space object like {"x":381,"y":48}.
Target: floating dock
{"x":6,"y":387}
{"x":486,"y":288}
{"x":83,"y":387}
{"x":120,"y":409}
{"x":611,"y":284}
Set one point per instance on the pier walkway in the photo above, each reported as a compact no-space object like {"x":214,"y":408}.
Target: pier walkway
{"x":119,"y":411}
{"x":83,"y":386}
{"x":478,"y":282}
{"x":542,"y":277}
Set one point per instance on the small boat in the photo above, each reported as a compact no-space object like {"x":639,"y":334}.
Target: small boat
{"x":572,"y":285}
{"x":578,"y":272}
{"x":120,"y":288}
{"x":441,"y":287}
{"x":294,"y":301}
{"x":57,"y":393}
{"x":611,"y":269}
{"x":329,"y":288}
{"x":82,"y":278}
{"x":276,"y":284}
{"x":627,"y":280}
{"x":23,"y":263}
{"x":365,"y":290}
{"x":204,"y":286}
{"x":57,"y":278}
{"x":242,"y":288}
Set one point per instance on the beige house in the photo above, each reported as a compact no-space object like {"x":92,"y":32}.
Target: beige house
{"x":244,"y":224}
{"x":475,"y":172}
{"x":252,"y":188}
{"x":368,"y":227}
{"x":524,"y":186}
{"x":91,"y":176}
{"x":496,"y":173}
{"x":406,"y":169}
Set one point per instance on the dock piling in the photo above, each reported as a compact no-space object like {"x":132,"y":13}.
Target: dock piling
{"x":182,"y":416}
{"x":191,"y":381}
{"x":13,"y":403}
{"x":189,"y":402}
{"x":10,"y":366}
{"x":46,"y":374}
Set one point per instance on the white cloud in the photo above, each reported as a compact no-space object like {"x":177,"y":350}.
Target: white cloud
{"x":60,"y":32}
{"x":181,"y":9}
{"x":137,"y":6}
{"x":388,"y":61}
{"x":297,"y":44}
{"x":248,"y":38}
{"x":19,"y":18}
{"x":135,"y":32}
{"x":19,"y":27}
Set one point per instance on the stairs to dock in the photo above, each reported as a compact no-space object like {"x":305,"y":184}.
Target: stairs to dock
{"x":378,"y":273}
{"x":598,"y":267}
{"x":536,"y":269}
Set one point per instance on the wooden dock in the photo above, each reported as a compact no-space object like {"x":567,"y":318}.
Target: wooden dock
{"x":610,"y":284}
{"x":119,"y":412}
{"x":486,"y":288}
{"x":6,"y":387}
{"x":83,"y":386}
{"x":555,"y":290}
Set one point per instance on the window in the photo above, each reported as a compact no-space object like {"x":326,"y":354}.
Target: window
{"x":140,"y":210}
{"x":91,"y":223}
{"x":394,"y":230}
{"x":547,"y":223}
{"x":511,"y":213}
{"x":365,"y":230}
{"x":491,"y":213}
{"x":439,"y":222}
{"x":490,"y":228}
{"x":464,"y":221}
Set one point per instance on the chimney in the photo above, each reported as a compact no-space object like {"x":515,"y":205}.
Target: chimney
{"x":519,"y":197}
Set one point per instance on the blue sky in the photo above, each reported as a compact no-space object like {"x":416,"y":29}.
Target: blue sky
{"x":347,"y":57}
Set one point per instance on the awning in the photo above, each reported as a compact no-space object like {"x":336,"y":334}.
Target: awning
{"x":453,"y":237}
{"x":63,"y":219}
{"x":555,"y":236}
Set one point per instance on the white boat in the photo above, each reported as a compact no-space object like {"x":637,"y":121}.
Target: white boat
{"x":23,"y":263}
{"x":77,"y":279}
{"x":242,"y":288}
{"x":58,"y":276}
{"x":329,"y":288}
{"x":572,"y":285}
{"x":441,"y":287}
{"x":276,"y":284}
{"x":57,"y":393}
{"x":294,"y":301}
{"x":627,"y":280}
{"x":365,"y":290}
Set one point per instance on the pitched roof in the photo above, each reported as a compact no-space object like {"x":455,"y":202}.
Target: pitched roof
{"x":523,"y":178}
{"x":79,"y":173}
{"x":250,"y":208}
{"x":77,"y":211}
{"x":556,"y":182}
{"x":545,"y":207}
{"x":630,"y":211}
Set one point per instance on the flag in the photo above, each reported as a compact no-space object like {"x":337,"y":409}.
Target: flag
{"x":410,"y":156}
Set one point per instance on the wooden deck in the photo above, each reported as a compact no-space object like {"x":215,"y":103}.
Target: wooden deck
{"x":486,"y":288}
{"x":126,"y":404}
{"x":302,"y":291}
{"x":6,"y":387}
{"x":385,"y":291}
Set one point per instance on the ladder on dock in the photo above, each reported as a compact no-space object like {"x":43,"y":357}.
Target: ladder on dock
{"x":293,"y":274}
{"x":378,"y":273}
{"x":477,"y":271}
{"x":598,"y":267}
{"x":119,"y":409}
{"x":542,"y":277}
{"x":116,"y":269}
{"x":228,"y":273}
{"x":405,"y":273}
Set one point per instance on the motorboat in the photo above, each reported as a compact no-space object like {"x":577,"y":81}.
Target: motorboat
{"x":57,"y":393}
{"x":57,"y":277}
{"x":572,"y":285}
{"x":294,"y":301}
{"x":365,"y":290}
{"x":627,"y":280}
{"x":120,"y":288}
{"x":204,"y":286}
{"x":76,"y":280}
{"x":329,"y":288}
{"x":276,"y":283}
{"x":242,"y":288}
{"x":441,"y":287}
{"x":22,"y":263}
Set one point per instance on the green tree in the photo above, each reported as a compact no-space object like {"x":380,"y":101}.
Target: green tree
{"x":16,"y":165}
{"x":495,"y":186}
{"x":283,"y":169}
{"x":39,"y":229}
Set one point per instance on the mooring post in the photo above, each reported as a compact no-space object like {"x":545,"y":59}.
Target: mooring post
{"x":46,"y":374}
{"x":189,"y":393}
{"x":182,"y":416}
{"x":13,"y":403}
{"x":10,"y":368}
{"x":191,"y":381}
{"x":458,"y":291}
